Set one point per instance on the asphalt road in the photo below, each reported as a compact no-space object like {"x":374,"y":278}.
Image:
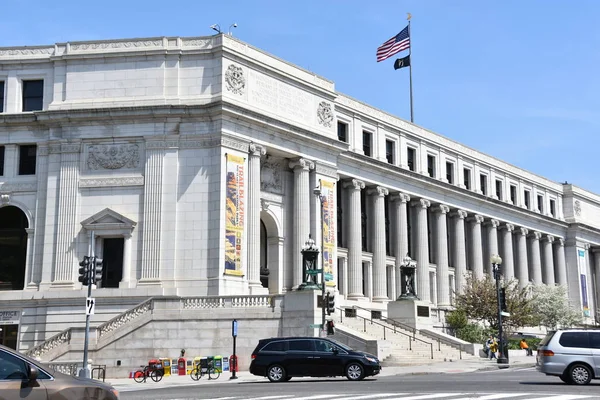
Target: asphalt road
{"x":520,"y":384}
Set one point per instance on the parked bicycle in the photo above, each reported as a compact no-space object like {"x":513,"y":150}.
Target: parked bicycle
{"x":147,"y":371}
{"x":198,"y":372}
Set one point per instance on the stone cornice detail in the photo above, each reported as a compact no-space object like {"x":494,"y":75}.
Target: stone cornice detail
{"x":379,"y":191}
{"x":256,"y":150}
{"x":113,"y":181}
{"x":423,"y":203}
{"x":508,"y":227}
{"x":442,"y":209}
{"x":325,"y":170}
{"x":302,"y":163}
{"x":161,"y":144}
{"x":114,"y":45}
{"x":64,"y":148}
{"x":234,"y":144}
{"x":478,"y":219}
{"x":401,"y":197}
{"x":550,"y":238}
{"x":536,"y":235}
{"x":30,"y":51}
{"x":18,"y":187}
{"x":494,"y":223}
{"x":461,"y":214}
{"x":523,"y":231}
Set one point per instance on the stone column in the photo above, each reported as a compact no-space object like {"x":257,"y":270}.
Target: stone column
{"x":460,"y":253}
{"x":508,"y":265}
{"x":126,"y":278}
{"x":476,"y":248}
{"x":254,"y":209}
{"x":301,"y":167}
{"x":548,"y":261}
{"x":536,"y":262}
{"x":354,"y":239}
{"x":151,"y":228}
{"x":561,"y":264}
{"x":379,"y":256}
{"x":443,"y":291}
{"x":492,"y":236}
{"x":41,"y":171}
{"x":401,"y":245}
{"x":392,"y":288}
{"x":422,"y":250}
{"x":29,"y":258}
{"x":522,"y":265}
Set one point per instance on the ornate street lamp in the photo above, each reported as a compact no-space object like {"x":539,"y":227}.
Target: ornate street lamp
{"x":407,"y":271}
{"x":310,"y":254}
{"x":496,"y":261}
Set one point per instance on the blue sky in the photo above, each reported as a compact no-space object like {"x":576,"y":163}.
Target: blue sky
{"x":515,"y":79}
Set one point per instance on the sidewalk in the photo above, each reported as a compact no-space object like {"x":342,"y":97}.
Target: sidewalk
{"x":453,"y":367}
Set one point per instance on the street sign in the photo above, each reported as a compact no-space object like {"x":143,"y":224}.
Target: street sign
{"x":315,"y":325}
{"x":505,"y":314}
{"x":90,"y":305}
{"x":328,"y":277}
{"x":234,"y":325}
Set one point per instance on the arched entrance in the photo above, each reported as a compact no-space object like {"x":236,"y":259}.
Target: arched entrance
{"x":13,"y":248}
{"x":264,"y":261}
{"x":271,"y":253}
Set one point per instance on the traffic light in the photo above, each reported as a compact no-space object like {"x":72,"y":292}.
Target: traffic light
{"x":330,"y":303}
{"x":503,"y":299}
{"x":97,"y":274}
{"x":85,"y":271}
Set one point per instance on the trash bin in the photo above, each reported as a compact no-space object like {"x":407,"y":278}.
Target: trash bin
{"x":218,"y":363}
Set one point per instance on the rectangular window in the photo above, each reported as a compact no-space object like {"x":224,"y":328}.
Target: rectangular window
{"x":390,"y":151}
{"x":450,"y":172}
{"x":431,"y":166}
{"x":467,"y":178}
{"x":1,"y":160}
{"x":1,"y":96}
{"x":483,"y":183}
{"x":553,"y":208}
{"x":513,"y":194}
{"x":540,"y":203}
{"x":526,"y":198}
{"x":33,"y":95}
{"x":342,"y":132}
{"x":499,"y":189}
{"x":27,"y":155}
{"x":410,"y":158}
{"x":367,"y":143}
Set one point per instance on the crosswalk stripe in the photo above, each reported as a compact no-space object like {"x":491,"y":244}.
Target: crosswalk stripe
{"x":285,"y":396}
{"x":495,"y":396}
{"x":370,"y":396}
{"x":428,"y":396}
{"x":320,"y":396}
{"x":562,"y":397}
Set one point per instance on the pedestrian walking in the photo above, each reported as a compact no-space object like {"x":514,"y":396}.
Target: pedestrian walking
{"x":525,"y":347}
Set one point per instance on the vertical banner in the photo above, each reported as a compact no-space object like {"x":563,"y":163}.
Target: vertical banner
{"x":328,"y":191}
{"x":581,"y":264}
{"x":234,"y":214}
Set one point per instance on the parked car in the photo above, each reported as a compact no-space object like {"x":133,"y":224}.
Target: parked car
{"x":280,"y":359}
{"x":571,"y":354}
{"x":24,"y":378}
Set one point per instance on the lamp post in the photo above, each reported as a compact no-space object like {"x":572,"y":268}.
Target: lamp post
{"x":496,"y":261}
{"x":322,"y":199}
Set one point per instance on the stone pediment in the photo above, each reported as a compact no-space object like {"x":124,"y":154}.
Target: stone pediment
{"x":108,"y":219}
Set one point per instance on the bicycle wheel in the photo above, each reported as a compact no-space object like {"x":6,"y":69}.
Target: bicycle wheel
{"x":195,"y":374}
{"x":213,"y":374}
{"x":139,"y":377}
{"x":156,"y":376}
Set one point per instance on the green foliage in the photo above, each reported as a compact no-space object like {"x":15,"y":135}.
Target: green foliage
{"x":457,"y":319}
{"x":553,"y":308}
{"x":473,"y":333}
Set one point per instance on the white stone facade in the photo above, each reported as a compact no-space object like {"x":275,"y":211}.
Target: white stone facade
{"x":137,"y":140}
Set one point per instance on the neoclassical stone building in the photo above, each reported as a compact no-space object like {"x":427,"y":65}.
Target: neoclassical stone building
{"x":192,"y":163}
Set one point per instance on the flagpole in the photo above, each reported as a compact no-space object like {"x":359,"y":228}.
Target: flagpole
{"x":412,"y":117}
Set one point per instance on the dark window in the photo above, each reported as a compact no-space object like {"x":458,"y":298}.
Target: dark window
{"x":574,"y":339}
{"x":324,"y":346}
{"x":27,"y":159}
{"x":450,"y":172}
{"x":33,"y":95}
{"x":553,"y":208}
{"x":301,"y":345}
{"x":1,"y":96}
{"x":431,"y":166}
{"x":410,"y":158}
{"x":467,"y":178}
{"x":540,"y":202}
{"x":483,"y":183}
{"x":342,"y":132}
{"x":499,"y":189}
{"x":594,"y":340}
{"x":275,"y":346}
{"x":367,"y":143}
{"x":526,"y":198}
{"x":1,"y":160}
{"x":390,"y":153}
{"x":13,"y":368}
{"x":513,"y":194}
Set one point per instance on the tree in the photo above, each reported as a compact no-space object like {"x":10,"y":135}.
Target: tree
{"x":553,"y":308}
{"x":479,"y":302}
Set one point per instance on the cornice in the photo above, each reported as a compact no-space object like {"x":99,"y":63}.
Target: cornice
{"x":111,"y":181}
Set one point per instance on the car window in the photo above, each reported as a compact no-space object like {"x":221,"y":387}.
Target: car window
{"x":595,"y":340}
{"x":301,"y":345}
{"x":12,"y":368}
{"x":322,"y":345}
{"x":274,"y":346}
{"x":547,"y":338}
{"x":574,"y":339}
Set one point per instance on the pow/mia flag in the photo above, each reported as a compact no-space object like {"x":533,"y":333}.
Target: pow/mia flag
{"x":402,"y":62}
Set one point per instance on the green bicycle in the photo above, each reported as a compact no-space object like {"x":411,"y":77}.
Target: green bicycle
{"x":198,"y":372}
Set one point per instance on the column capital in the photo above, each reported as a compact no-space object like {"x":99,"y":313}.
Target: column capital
{"x":354,"y":184}
{"x":442,"y":209}
{"x":587,"y":246}
{"x":462,"y":214}
{"x":508,"y":227}
{"x":301,"y":163}
{"x":478,"y":219}
{"x":560,"y":242}
{"x":378,"y":191}
{"x":494,"y":223}
{"x":423,"y":203}
{"x":127,"y":235}
{"x":550,"y":238}
{"x":536,"y":235}
{"x":523,"y":231}
{"x":400,"y":197}
{"x":256,"y":150}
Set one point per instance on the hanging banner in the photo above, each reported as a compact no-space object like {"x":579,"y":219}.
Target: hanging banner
{"x":328,"y":191}
{"x":234,"y":214}
{"x":581,"y":263}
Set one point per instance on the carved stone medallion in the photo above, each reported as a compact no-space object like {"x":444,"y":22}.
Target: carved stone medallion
{"x":113,"y":156}
{"x":577,"y":208}
{"x":270,"y":176}
{"x":325,"y":114}
{"x":234,"y":78}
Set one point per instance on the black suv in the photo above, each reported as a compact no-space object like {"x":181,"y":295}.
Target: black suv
{"x":280,"y":359}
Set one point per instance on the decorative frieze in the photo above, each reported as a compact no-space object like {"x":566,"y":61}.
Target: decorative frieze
{"x":109,"y":182}
{"x":577,"y":208}
{"x":234,"y":144}
{"x":270,"y":175}
{"x":327,"y":171}
{"x":162,"y":144}
{"x":199,"y":43}
{"x":116,"y":45}
{"x":235,"y":80}
{"x":18,"y":187}
{"x":113,"y":156}
{"x":199,"y":144}
{"x":34,"y":51}
{"x":325,"y":114}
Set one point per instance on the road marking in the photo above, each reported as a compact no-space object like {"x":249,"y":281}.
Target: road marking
{"x":285,"y":396}
{"x":429,"y":396}
{"x":562,"y":397}
{"x":495,"y":396}
{"x":320,"y":396}
{"x":370,"y":396}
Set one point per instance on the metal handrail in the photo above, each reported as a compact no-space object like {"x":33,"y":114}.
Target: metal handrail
{"x":404,"y":326}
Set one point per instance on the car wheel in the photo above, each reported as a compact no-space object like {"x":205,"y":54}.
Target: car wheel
{"x":580,"y":374}
{"x":565,"y":379}
{"x":276,"y":373}
{"x":355,"y":372}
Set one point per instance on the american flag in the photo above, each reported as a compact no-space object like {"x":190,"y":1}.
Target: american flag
{"x":395,"y":45}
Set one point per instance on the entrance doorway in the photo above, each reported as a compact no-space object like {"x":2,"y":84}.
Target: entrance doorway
{"x":9,"y":335}
{"x":13,"y":248}
{"x":112,"y":256}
